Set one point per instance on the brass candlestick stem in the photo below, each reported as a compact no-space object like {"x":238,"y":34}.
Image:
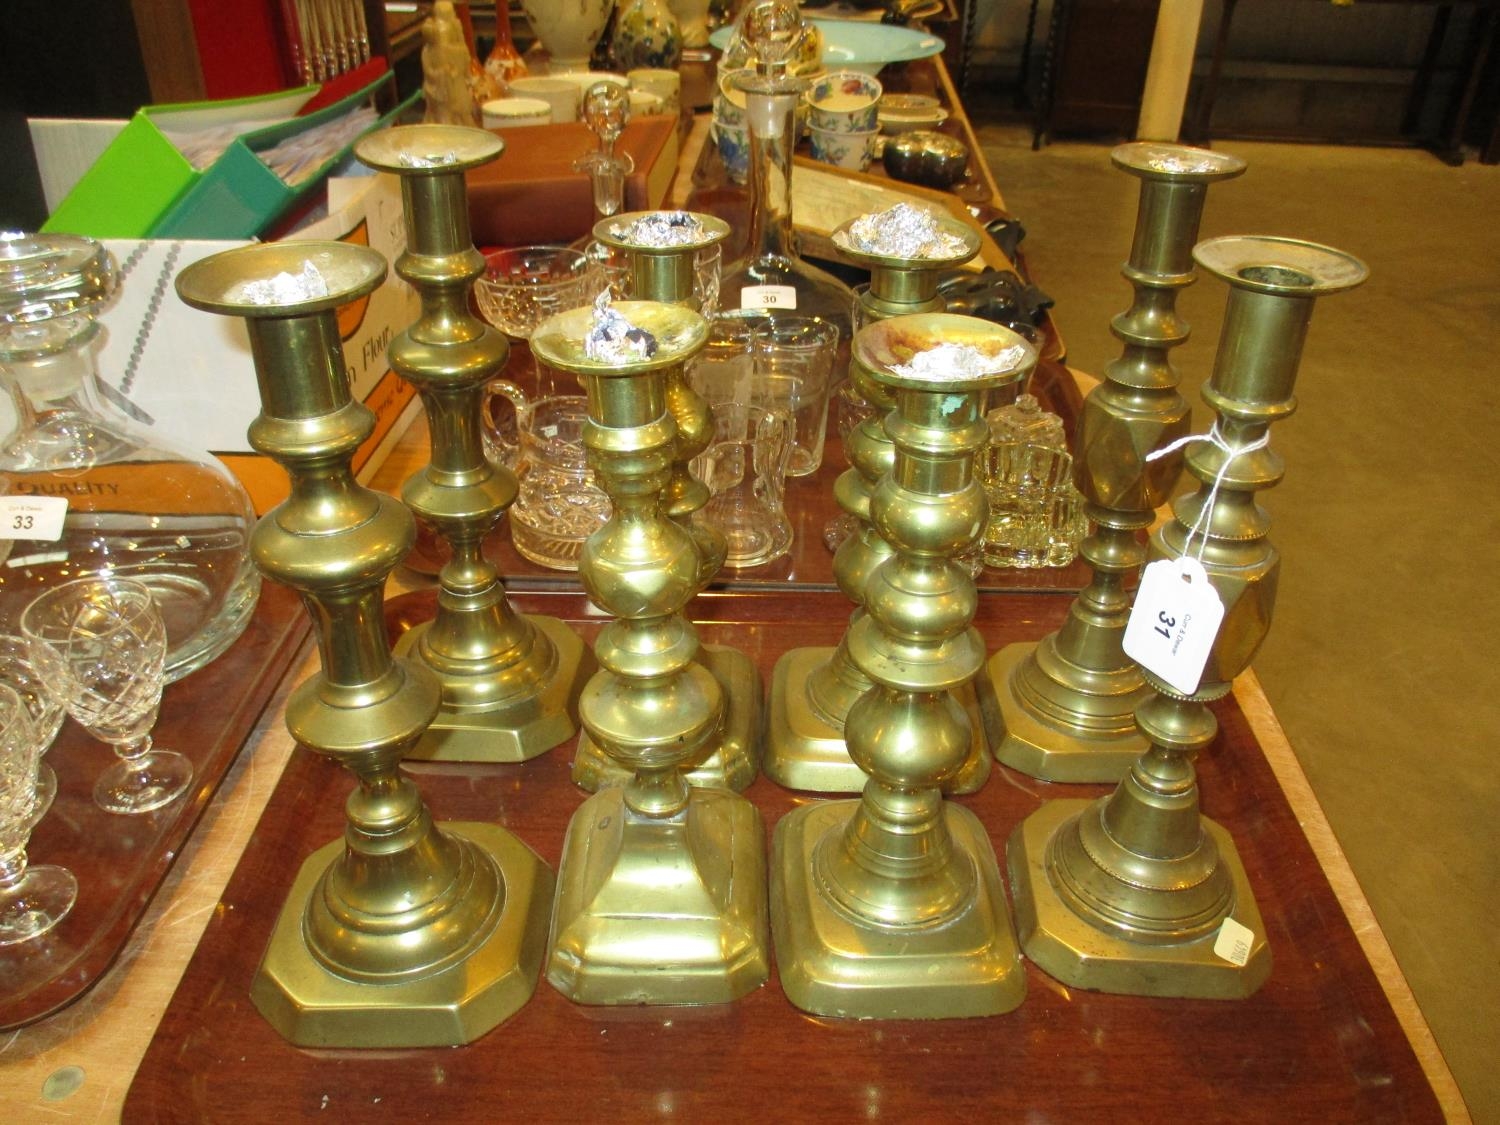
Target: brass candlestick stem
{"x":665,"y":273}
{"x":891,"y":906}
{"x":403,"y":933}
{"x":508,"y":680}
{"x":1063,"y":709}
{"x":1131,"y":893}
{"x":813,"y":688}
{"x":661,"y":897}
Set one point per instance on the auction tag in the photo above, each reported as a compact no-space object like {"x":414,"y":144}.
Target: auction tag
{"x":1234,"y":942}
{"x":32,"y":517}
{"x":1174,"y":621}
{"x":768,"y":297}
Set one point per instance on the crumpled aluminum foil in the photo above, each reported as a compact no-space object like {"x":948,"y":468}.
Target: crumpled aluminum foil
{"x":958,"y":361}
{"x":661,"y":228}
{"x":611,"y":338}
{"x":283,"y":289}
{"x":902,"y":231}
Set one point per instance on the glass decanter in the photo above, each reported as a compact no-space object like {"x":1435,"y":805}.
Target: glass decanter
{"x":130,"y":503}
{"x":771,"y":276}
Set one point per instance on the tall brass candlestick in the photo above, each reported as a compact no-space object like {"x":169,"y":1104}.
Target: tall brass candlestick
{"x":891,"y":906}
{"x":403,"y":933}
{"x":813,"y":688}
{"x":1063,"y":709}
{"x":661,"y":897}
{"x":666,"y":273}
{"x":508,"y":680}
{"x":1130,"y":893}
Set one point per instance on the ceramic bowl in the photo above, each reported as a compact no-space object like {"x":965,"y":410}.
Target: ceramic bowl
{"x":899,"y":113}
{"x":643,"y":102}
{"x":510,"y":113}
{"x":733,"y":142}
{"x":857,"y":45}
{"x":561,"y":94}
{"x":852,"y":151}
{"x":844,"y":101}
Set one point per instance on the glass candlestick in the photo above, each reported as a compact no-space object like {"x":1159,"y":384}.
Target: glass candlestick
{"x":1063,"y":709}
{"x":402,"y":933}
{"x":812,"y":689}
{"x":891,"y":906}
{"x":509,"y":680}
{"x":1134,"y":892}
{"x":661,"y":896}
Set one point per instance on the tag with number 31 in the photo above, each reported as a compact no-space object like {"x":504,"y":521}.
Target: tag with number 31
{"x":1174,"y":621}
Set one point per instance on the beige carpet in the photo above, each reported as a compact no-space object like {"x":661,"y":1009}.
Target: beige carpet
{"x":1383,"y":662}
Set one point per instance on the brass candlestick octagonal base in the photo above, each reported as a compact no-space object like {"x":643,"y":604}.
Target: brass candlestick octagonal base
{"x":1080,"y":954}
{"x":832,"y":963}
{"x":811,"y":754}
{"x":1092,"y":736}
{"x":511,"y":716}
{"x":488,"y":982}
{"x":696,"y":934}
{"x":732,"y":757}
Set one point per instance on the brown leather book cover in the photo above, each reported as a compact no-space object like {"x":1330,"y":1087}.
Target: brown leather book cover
{"x":532,"y":195}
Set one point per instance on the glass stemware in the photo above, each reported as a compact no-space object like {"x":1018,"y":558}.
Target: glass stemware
{"x":32,"y":899}
{"x":43,"y":706}
{"x":102,"y":644}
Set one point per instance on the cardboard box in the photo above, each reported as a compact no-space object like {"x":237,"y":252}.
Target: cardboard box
{"x":194,"y":380}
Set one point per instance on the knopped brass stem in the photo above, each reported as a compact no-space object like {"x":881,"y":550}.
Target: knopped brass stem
{"x":403,"y":933}
{"x":661,"y":896}
{"x":1063,"y":709}
{"x":666,"y":274}
{"x":812,"y":689}
{"x":891,"y":906}
{"x":508,"y":680}
{"x":1131,"y":893}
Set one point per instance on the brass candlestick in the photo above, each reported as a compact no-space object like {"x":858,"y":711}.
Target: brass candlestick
{"x":666,"y":273}
{"x":813,"y":688}
{"x":508,"y":680}
{"x":1063,"y":709}
{"x":1131,"y":893}
{"x":891,"y":906}
{"x":661,"y":897}
{"x":403,"y":933}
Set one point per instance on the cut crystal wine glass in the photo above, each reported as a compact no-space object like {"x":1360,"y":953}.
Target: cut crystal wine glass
{"x":101,"y":641}
{"x":32,"y":899}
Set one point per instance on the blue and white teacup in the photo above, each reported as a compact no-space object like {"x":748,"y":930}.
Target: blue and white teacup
{"x":852,"y":151}
{"x":845,"y":101}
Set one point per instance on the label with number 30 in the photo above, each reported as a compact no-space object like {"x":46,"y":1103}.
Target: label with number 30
{"x":768,"y":297}
{"x":1174,"y":621}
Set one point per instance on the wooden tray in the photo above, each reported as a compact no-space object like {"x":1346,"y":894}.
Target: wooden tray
{"x":120,"y":861}
{"x":1319,"y":1042}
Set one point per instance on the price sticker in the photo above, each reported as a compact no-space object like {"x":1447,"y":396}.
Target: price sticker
{"x":1174,"y":621}
{"x":1234,"y":942}
{"x":768,"y":297}
{"x":39,"y":518}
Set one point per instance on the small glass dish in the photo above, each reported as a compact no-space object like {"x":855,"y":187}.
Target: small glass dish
{"x":524,"y":285}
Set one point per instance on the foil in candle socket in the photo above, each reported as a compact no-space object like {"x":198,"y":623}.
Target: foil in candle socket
{"x":902,"y":231}
{"x":613,"y":339}
{"x":662,"y":228}
{"x":427,"y":160}
{"x":958,"y":361}
{"x":283,"y":289}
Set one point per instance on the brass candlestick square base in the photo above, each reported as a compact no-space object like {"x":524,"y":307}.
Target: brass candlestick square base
{"x":806,"y":753}
{"x":733,"y":759}
{"x":1068,"y":949}
{"x":313,"y":1007}
{"x":666,"y":910}
{"x":490,"y":731}
{"x":834,"y":964}
{"x":1054,"y":753}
